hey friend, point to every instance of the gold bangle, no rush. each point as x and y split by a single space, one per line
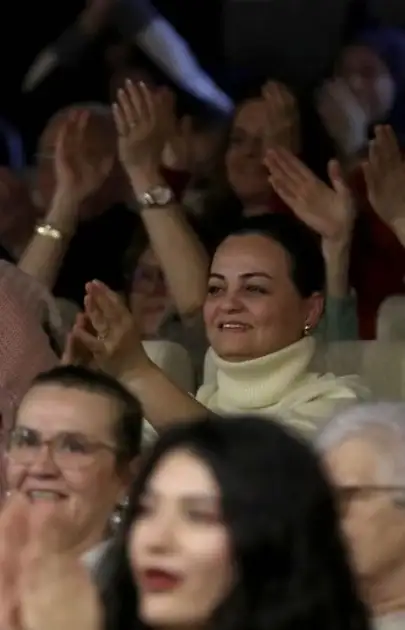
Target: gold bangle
46 229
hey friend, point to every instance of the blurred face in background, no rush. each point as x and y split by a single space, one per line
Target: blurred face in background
369 79
372 521
244 156
99 141
253 307
149 295
180 548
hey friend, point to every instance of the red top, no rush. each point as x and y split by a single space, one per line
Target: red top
377 268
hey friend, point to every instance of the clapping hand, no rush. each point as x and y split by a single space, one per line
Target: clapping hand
108 333
80 170
42 585
384 173
283 125
140 127
328 210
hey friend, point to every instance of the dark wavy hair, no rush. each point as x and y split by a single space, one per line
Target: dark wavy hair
280 513
307 264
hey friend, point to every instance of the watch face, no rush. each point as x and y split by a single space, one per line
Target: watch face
161 195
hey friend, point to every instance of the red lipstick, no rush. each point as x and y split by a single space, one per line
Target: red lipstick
157 580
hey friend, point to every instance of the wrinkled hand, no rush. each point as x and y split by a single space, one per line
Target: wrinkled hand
343 117
329 211
42 586
116 345
384 173
282 128
80 171
140 125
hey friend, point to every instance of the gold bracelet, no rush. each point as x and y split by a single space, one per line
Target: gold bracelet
46 229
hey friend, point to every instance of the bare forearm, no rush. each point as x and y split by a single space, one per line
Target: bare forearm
162 401
337 261
181 254
43 256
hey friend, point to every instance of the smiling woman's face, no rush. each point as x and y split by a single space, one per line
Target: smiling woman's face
180 549
253 307
83 495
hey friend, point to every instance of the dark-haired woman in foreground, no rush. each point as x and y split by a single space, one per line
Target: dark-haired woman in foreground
231 525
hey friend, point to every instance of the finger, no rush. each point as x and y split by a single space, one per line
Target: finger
91 343
95 315
393 150
68 352
135 97
109 302
127 108
336 176
149 102
120 120
376 162
292 167
286 194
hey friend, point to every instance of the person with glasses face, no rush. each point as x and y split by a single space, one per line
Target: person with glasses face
364 451
74 448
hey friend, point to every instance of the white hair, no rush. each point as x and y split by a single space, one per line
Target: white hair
381 424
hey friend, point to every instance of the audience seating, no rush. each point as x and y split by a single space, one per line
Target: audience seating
391 319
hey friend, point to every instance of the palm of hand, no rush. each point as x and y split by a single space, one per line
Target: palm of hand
388 196
58 592
82 177
327 211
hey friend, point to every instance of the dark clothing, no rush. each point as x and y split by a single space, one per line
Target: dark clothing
96 252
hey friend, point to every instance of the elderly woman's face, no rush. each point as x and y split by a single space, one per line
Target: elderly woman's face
253 307
369 79
179 546
74 470
373 524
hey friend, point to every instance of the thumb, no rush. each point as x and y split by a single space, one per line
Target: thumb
336 177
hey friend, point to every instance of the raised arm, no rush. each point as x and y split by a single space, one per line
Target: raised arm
384 173
78 175
142 126
329 211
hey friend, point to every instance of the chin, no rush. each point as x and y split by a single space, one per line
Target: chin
157 611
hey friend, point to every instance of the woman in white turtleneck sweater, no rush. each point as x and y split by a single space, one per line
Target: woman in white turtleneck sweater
264 300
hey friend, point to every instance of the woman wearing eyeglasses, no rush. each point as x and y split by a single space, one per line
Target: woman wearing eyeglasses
73 449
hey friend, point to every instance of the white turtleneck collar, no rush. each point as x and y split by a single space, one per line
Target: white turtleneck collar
395 621
264 381
280 384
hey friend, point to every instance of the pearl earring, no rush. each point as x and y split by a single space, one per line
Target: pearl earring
307 330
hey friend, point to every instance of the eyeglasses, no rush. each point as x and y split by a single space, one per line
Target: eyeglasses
68 450
346 494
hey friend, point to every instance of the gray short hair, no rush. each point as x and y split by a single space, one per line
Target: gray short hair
383 425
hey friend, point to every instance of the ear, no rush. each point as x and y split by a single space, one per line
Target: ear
315 307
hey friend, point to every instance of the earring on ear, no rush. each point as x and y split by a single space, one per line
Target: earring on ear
307 330
117 516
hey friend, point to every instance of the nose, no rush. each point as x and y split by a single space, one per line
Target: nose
231 303
161 534
42 464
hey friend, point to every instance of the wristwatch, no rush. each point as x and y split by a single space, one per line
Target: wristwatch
156 197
